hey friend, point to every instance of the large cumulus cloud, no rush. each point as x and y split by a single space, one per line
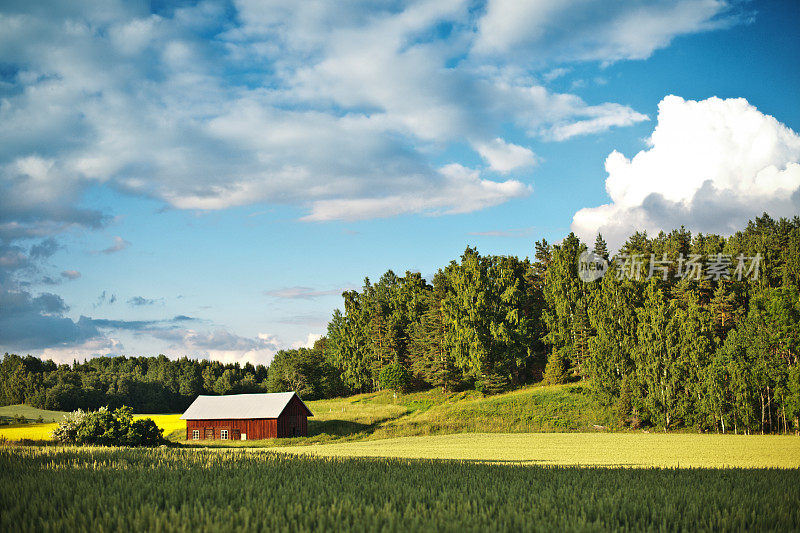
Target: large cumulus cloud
711 165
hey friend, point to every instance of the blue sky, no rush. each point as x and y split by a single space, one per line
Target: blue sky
204 179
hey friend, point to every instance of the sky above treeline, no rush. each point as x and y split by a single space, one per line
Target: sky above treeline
206 178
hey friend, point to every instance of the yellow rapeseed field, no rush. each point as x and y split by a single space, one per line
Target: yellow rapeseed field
598 449
27 431
168 423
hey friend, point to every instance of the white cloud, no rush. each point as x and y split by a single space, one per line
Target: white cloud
458 190
219 345
555 73
97 347
119 245
711 166
589 30
602 118
309 342
505 157
302 293
309 104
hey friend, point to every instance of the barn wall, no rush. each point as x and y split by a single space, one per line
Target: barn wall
293 421
262 428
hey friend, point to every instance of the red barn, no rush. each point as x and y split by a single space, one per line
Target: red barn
247 417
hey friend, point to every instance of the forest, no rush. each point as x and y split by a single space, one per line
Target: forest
682 331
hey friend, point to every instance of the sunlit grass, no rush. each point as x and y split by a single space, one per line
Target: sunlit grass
606 449
168 489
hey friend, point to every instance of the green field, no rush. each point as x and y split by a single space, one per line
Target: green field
8 412
112 489
591 449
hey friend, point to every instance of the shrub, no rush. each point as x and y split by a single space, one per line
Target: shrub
108 428
395 377
144 432
67 429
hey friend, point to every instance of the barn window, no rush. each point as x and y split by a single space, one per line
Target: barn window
223 434
195 434
244 436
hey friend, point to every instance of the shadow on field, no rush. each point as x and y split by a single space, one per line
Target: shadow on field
342 428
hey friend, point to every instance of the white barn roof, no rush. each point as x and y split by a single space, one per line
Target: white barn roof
237 406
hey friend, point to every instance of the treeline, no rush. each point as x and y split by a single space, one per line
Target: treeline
147 384
665 344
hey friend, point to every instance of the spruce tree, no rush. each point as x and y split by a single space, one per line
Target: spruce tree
600 247
555 372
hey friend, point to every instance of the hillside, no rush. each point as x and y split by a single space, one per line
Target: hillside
9 412
383 415
530 409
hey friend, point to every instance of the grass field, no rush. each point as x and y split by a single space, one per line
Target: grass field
107 489
8 412
592 449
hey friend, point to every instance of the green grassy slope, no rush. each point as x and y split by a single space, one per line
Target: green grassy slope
8 412
530 409
382 415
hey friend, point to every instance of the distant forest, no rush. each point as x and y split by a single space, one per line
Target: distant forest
683 331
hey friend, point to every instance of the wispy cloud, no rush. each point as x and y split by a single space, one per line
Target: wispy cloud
515 233
139 325
139 301
311 320
70 274
302 293
119 245
105 298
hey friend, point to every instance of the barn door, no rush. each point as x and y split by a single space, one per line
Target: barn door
209 434
237 434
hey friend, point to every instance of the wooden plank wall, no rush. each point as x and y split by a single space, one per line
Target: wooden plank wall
293 421
264 428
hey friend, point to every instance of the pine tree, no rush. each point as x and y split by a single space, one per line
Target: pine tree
564 294
555 372
600 247
430 360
